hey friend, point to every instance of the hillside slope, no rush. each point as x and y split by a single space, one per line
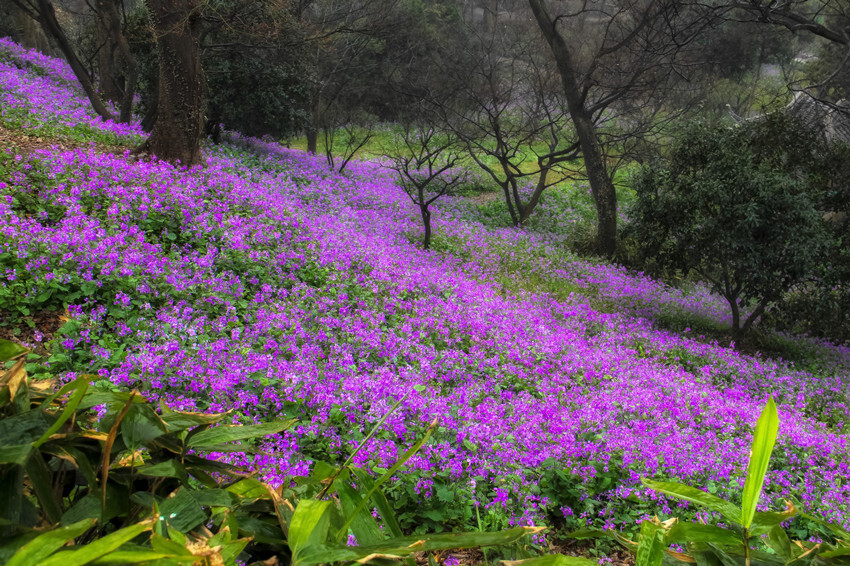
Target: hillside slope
267 285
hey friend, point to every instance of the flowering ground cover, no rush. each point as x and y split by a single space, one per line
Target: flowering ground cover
265 284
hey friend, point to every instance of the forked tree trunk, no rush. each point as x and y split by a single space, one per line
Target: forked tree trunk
604 195
177 132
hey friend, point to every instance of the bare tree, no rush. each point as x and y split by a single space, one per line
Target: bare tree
611 55
429 165
506 111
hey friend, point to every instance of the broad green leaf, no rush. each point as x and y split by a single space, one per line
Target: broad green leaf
10 350
552 560
695 532
650 550
764 437
70 409
309 526
380 500
89 507
390 473
226 433
364 526
182 512
46 544
167 546
140 426
42 483
835 553
779 542
94 398
166 469
23 428
17 454
763 521
694 495
230 550
249 488
319 554
100 547
135 554
178 421
215 498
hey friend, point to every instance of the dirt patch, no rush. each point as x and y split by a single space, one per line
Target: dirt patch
22 143
33 331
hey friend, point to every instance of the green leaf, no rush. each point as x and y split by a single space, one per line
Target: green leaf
778 541
93 398
763 521
249 488
694 495
100 547
319 554
399 463
17 454
46 544
215 498
380 500
140 426
166 469
364 526
650 550
210 439
89 507
308 527
169 547
182 512
135 554
10 350
42 483
177 421
695 532
23 428
230 550
764 437
835 553
552 560
70 409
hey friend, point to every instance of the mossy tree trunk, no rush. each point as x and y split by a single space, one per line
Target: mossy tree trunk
180 120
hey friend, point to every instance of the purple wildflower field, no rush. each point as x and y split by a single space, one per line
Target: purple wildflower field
267 285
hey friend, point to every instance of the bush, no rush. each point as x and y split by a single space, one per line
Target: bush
739 207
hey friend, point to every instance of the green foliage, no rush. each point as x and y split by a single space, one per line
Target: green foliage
738 206
748 536
136 486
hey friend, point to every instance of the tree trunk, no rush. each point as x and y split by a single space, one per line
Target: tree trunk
47 18
107 87
604 195
32 36
313 126
426 222
110 22
177 132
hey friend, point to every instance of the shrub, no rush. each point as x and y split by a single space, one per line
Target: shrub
737 206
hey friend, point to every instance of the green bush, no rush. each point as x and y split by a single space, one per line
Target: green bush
739 207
